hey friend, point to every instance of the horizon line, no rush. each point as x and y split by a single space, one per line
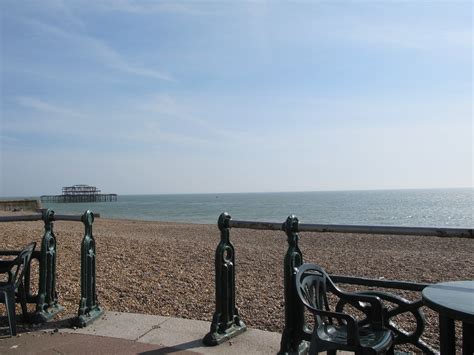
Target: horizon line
267 192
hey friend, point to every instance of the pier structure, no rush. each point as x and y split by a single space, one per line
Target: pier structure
80 193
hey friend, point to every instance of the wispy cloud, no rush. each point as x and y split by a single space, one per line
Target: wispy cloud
4 139
147 7
370 28
46 107
163 104
167 105
410 36
32 115
100 50
120 127
151 132
66 14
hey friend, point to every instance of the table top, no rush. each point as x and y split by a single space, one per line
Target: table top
454 299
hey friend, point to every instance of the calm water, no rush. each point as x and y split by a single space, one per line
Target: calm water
440 207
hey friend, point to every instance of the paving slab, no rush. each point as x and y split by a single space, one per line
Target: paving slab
177 333
43 343
129 333
187 334
130 326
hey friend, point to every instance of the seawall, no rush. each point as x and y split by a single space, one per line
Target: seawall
17 205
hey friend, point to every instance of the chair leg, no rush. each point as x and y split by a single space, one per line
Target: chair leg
314 346
313 349
10 305
391 351
24 309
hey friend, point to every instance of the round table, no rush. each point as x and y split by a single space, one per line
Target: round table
453 300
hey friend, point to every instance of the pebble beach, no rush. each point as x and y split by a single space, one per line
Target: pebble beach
167 269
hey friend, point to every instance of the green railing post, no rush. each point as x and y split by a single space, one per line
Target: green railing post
47 300
293 333
226 322
89 309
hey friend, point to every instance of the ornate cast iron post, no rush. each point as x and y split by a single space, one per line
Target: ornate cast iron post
226 322
293 333
89 309
47 300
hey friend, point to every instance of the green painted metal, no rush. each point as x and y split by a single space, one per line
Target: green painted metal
226 322
47 304
292 339
89 309
296 333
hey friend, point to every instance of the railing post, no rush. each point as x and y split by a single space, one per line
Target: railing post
293 333
89 309
226 322
47 300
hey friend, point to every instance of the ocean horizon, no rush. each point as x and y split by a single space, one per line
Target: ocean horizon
449 207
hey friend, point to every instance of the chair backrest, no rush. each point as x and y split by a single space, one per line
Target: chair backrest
312 283
22 262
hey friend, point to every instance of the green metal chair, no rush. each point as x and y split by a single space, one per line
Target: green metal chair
313 285
15 270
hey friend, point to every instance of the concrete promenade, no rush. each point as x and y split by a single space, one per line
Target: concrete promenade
127 333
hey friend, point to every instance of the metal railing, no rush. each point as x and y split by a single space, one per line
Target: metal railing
226 321
46 299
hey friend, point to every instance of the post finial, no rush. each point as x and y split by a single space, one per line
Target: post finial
48 215
223 221
291 224
88 218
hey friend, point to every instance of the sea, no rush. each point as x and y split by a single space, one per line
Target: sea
420 207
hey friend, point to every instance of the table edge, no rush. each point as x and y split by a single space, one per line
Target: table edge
446 311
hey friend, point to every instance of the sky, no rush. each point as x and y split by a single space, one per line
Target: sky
149 97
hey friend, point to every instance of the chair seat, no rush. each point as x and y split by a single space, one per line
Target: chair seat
369 337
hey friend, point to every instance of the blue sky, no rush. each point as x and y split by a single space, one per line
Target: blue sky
179 97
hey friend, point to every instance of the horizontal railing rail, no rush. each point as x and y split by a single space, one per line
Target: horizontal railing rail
395 230
362 229
227 322
22 218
